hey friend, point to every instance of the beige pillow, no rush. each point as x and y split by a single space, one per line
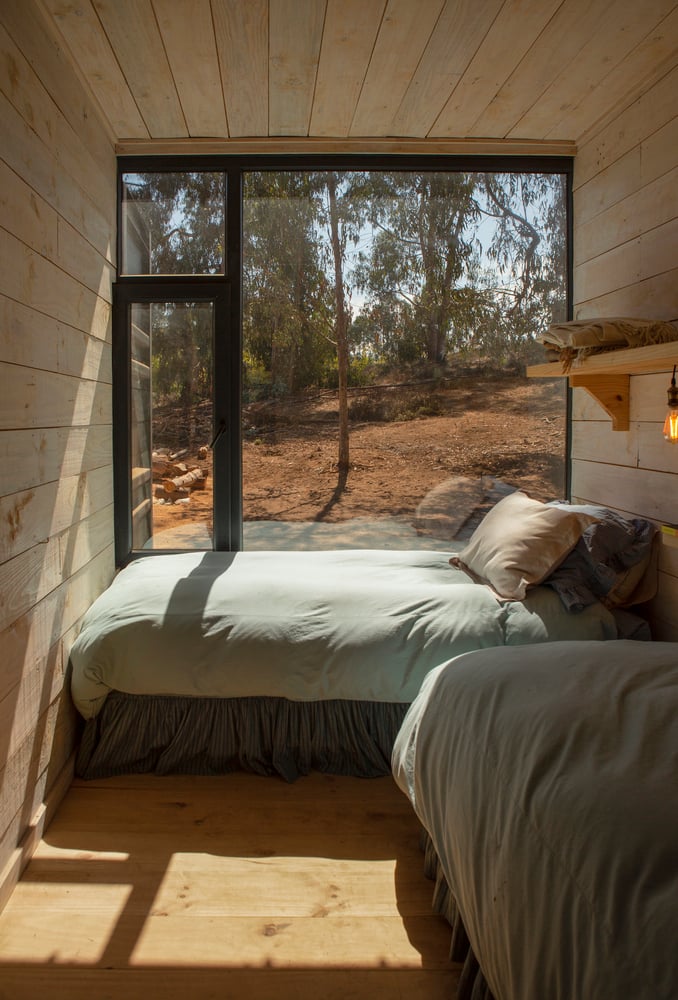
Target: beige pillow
519 543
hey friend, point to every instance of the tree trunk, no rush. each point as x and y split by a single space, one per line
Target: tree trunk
342 325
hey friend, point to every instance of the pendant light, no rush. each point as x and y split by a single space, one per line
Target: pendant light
671 422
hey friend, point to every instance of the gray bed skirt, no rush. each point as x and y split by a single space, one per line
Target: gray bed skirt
173 735
472 984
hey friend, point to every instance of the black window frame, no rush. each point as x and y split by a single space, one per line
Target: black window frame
225 290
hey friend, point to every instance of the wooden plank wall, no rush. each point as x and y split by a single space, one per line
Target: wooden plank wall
626 264
57 241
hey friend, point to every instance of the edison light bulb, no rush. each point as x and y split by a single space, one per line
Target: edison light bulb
671 425
671 422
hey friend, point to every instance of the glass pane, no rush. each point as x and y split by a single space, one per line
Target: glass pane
388 320
173 223
140 426
171 425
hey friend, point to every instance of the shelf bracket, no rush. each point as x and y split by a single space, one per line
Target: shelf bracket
611 391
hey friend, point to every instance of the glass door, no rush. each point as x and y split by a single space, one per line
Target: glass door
171 427
176 357
175 445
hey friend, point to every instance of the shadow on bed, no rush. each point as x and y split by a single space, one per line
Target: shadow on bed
191 592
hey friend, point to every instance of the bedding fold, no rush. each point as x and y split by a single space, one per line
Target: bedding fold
355 625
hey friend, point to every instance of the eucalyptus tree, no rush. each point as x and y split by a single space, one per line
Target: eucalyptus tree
346 208
416 275
182 217
463 261
299 227
287 296
526 258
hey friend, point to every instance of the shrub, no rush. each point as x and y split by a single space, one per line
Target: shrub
420 406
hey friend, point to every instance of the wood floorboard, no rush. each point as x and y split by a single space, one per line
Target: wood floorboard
232 887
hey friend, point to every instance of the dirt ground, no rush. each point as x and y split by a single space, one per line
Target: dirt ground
405 441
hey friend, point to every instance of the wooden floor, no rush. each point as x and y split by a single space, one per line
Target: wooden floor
231 887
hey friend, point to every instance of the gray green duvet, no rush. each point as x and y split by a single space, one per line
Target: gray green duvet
364 625
546 781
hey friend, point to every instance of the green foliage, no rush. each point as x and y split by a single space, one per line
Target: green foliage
422 250
175 225
287 302
431 265
181 353
389 406
464 263
421 406
329 377
179 219
361 371
371 409
290 321
256 380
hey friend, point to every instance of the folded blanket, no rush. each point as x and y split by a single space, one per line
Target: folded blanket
579 338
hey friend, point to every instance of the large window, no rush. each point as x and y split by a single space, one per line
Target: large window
333 355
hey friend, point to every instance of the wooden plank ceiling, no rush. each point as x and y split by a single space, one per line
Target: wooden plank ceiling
541 71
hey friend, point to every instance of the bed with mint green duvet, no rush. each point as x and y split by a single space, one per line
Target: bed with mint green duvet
283 662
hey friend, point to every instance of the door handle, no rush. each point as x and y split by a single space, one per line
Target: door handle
221 429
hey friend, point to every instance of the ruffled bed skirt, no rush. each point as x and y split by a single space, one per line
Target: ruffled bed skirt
472 984
172 735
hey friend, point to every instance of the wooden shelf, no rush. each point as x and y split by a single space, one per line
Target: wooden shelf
607 376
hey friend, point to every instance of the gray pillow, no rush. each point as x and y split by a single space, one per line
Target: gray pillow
613 561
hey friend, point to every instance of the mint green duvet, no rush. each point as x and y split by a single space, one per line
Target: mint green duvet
364 625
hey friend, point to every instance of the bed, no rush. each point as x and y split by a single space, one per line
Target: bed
283 662
545 781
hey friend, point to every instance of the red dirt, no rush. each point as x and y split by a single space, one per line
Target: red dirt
508 429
